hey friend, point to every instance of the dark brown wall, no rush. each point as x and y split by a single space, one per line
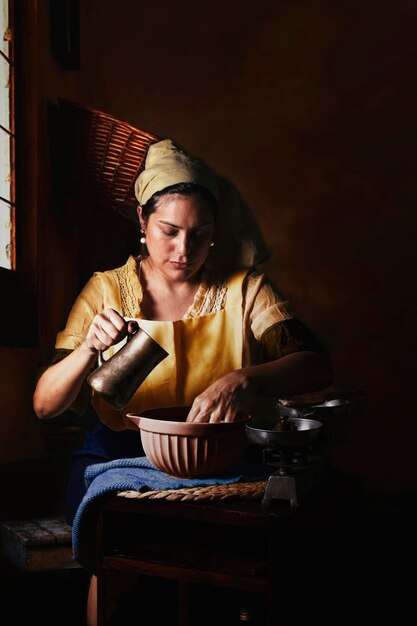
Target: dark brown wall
309 107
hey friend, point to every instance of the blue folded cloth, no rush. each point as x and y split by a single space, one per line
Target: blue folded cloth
137 474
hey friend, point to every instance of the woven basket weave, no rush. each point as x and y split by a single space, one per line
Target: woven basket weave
104 155
101 158
225 491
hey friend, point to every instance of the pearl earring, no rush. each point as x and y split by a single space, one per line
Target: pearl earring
143 239
212 244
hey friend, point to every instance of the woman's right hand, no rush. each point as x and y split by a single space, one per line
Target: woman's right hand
58 387
107 329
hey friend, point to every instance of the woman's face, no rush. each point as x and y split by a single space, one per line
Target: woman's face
178 235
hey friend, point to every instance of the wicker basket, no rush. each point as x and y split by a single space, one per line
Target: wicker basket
105 155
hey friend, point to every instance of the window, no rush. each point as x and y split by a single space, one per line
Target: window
18 173
7 239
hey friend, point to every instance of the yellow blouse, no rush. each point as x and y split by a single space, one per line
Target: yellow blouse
120 289
269 327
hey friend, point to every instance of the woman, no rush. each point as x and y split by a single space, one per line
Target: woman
230 336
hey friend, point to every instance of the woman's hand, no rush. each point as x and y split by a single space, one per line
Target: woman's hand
107 329
60 384
299 372
222 400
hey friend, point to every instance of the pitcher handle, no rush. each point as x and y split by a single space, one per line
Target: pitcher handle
101 359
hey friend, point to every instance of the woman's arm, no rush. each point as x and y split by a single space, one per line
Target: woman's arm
60 384
296 373
293 374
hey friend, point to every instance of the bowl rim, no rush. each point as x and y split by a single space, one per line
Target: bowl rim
149 421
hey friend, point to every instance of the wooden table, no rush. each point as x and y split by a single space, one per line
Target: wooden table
196 563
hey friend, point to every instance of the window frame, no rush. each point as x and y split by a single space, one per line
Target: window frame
19 311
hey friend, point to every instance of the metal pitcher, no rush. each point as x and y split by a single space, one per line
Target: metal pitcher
117 378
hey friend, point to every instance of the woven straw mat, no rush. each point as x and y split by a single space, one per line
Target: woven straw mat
227 491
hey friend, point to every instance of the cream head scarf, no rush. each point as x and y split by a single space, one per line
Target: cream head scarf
238 239
167 165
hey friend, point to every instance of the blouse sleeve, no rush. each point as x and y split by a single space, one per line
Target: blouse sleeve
99 293
272 321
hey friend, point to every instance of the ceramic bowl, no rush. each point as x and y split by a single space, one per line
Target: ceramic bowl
188 449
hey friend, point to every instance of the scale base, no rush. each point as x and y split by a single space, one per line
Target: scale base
293 487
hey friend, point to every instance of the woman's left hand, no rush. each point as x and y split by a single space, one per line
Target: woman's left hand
222 400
